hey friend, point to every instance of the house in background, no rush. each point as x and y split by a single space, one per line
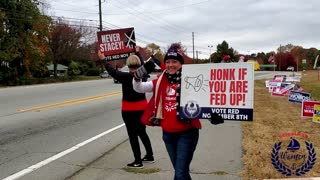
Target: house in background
61 69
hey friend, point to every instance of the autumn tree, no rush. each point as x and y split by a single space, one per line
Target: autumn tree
23 33
86 57
152 47
298 53
311 55
284 60
285 48
63 42
262 58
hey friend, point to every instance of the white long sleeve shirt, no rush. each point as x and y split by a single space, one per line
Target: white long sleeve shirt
142 87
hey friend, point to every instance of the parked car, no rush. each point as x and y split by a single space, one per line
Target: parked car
105 74
290 68
123 69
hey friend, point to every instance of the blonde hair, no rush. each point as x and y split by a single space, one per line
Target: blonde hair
133 60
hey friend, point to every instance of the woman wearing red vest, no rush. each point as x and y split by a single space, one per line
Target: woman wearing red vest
179 135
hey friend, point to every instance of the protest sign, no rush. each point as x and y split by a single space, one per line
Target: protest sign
307 108
299 97
316 114
224 88
274 83
116 44
283 90
293 79
279 77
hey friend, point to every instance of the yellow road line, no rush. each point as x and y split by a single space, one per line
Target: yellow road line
70 102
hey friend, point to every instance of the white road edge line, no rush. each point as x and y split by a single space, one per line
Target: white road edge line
59 155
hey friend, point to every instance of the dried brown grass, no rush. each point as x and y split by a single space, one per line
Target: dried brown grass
274 116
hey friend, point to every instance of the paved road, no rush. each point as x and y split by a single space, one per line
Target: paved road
29 137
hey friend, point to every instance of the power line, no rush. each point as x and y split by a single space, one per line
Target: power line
154 19
143 21
138 13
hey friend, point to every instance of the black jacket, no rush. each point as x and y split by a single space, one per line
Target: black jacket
125 78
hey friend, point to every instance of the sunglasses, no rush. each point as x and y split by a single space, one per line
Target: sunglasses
134 66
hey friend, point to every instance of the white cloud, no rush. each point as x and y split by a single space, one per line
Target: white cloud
247 25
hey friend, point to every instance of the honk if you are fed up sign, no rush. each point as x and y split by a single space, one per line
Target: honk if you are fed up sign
223 88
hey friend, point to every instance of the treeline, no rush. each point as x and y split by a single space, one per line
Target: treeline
283 57
30 40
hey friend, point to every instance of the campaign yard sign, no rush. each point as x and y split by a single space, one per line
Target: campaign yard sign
293 79
299 97
316 114
279 77
116 44
283 90
307 108
223 88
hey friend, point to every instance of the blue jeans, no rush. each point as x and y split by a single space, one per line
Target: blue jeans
180 147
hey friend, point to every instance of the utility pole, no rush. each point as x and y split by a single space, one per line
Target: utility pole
297 64
100 28
197 56
280 58
100 16
193 44
210 46
274 63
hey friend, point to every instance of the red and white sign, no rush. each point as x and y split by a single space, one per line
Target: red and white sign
116 44
307 108
225 88
279 77
283 90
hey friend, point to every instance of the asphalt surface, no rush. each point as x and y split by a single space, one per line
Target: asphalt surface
218 156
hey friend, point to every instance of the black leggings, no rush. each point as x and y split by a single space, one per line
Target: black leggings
135 128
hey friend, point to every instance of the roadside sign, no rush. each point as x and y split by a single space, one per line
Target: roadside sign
283 90
225 89
316 114
307 108
299 97
304 63
116 44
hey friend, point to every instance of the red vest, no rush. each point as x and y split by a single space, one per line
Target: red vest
170 123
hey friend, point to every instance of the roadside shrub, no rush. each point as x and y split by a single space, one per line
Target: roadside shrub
93 72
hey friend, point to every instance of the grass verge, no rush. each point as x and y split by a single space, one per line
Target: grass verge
274 116
142 171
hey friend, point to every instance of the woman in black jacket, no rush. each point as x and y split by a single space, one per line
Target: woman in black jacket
133 106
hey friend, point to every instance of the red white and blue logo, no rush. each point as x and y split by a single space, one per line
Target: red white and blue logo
191 109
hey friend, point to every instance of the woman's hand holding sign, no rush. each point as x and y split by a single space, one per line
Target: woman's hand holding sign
101 55
216 119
